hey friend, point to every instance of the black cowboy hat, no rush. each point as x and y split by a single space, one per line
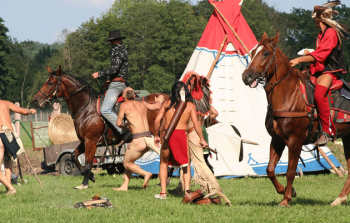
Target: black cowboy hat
114 35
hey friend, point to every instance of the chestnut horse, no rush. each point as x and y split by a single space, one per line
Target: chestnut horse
81 99
286 119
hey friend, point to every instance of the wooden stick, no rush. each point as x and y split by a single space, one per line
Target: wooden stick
32 168
250 142
329 161
19 169
217 57
222 16
214 151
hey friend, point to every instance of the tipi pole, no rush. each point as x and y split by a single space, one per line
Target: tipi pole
222 16
216 58
329 162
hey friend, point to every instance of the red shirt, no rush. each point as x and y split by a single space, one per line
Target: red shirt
324 47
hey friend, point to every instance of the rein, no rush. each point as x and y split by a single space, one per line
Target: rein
280 114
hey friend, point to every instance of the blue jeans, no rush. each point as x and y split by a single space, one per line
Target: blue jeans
114 89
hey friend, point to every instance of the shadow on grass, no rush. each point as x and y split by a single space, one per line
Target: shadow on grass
293 202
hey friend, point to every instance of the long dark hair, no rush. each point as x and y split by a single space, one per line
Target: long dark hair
175 94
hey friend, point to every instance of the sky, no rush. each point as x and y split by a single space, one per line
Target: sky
44 20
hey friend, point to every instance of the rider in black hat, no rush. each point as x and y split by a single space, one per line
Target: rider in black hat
117 75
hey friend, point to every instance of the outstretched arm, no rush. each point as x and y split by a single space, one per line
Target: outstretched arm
303 59
197 126
20 110
159 100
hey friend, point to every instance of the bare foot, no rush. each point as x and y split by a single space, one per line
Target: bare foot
339 200
146 179
81 187
11 192
120 189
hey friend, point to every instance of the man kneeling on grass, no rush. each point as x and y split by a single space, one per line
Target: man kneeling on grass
136 114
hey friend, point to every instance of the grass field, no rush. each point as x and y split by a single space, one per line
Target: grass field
254 200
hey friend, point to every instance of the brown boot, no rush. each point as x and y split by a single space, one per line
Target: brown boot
323 139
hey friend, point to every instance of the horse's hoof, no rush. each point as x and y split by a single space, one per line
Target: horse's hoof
92 177
339 200
283 205
81 187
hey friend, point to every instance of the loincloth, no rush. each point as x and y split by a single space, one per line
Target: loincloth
178 148
142 134
149 140
10 144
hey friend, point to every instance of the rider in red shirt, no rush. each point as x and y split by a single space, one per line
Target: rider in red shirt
327 62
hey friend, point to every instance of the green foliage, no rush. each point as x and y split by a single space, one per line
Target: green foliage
4 53
259 16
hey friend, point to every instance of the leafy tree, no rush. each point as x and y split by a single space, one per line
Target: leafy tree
204 9
5 78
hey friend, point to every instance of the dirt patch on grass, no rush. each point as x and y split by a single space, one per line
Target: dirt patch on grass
35 158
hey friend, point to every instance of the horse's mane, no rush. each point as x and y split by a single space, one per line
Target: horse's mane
303 76
83 81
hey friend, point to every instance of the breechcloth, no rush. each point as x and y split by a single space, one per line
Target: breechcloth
149 140
142 134
10 144
178 148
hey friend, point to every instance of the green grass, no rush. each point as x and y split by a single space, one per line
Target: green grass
254 200
27 142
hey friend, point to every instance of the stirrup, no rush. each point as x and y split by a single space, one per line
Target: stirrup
323 139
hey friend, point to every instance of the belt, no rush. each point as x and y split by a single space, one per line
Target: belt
118 79
6 131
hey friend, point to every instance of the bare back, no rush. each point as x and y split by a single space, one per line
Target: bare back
136 114
186 115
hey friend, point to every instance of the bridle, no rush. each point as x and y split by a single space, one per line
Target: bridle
265 73
53 93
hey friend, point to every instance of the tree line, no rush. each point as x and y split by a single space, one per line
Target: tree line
161 37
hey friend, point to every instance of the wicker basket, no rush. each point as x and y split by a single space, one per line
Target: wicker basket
61 129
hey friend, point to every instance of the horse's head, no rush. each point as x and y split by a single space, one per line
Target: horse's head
260 68
50 90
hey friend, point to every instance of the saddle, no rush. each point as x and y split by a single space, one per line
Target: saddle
340 106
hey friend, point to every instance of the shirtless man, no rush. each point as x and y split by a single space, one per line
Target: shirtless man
136 114
6 130
178 140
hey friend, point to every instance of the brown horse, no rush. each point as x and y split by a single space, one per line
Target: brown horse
81 100
286 120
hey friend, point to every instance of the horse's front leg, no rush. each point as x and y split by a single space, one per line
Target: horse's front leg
294 144
276 150
90 150
343 196
79 150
